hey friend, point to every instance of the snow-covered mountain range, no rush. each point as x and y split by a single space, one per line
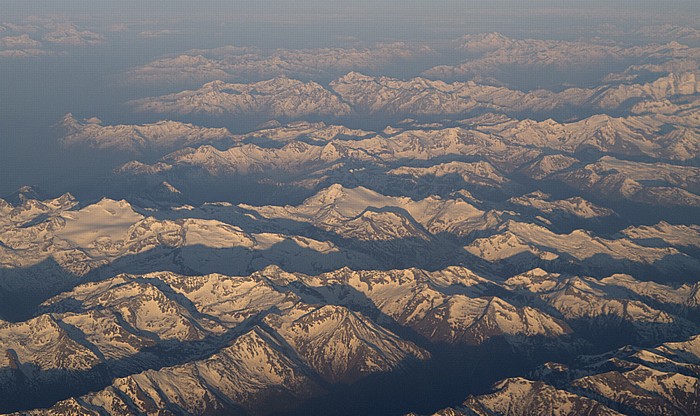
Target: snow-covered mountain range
362 94
476 226
631 380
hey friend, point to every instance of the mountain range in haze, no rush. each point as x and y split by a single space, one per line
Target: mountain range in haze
488 224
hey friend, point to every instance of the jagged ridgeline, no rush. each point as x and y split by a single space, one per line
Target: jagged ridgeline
366 224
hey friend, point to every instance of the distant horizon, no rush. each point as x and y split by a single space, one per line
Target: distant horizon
384 208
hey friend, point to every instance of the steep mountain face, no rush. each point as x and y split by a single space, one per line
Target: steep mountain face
310 165
664 87
279 97
252 372
356 93
678 235
50 246
28 339
518 242
535 398
420 96
547 165
486 154
341 210
581 299
659 380
646 135
158 138
519 396
161 196
573 207
232 343
650 183
449 306
382 242
195 344
476 173
127 323
341 345
304 130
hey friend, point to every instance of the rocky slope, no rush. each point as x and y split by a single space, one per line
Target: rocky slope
640 381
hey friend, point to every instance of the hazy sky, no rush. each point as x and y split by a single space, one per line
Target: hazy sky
35 92
292 10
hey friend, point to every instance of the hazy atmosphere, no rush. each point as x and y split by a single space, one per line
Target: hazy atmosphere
89 77
349 207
